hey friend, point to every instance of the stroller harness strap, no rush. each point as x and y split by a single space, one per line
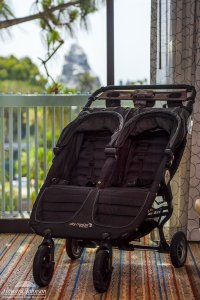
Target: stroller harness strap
91 163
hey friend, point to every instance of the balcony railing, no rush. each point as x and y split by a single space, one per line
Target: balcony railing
29 128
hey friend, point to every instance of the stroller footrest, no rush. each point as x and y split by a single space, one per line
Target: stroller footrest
58 203
117 207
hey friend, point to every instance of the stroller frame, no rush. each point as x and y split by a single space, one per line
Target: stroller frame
143 97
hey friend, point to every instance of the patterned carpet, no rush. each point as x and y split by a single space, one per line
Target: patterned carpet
136 275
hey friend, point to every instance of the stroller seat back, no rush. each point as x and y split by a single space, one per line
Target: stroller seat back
77 166
144 156
91 157
140 164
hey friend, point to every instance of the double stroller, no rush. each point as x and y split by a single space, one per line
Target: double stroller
109 183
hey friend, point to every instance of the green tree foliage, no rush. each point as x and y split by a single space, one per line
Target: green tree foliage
20 75
20 86
12 68
59 88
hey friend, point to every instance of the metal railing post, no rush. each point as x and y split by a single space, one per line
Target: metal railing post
110 49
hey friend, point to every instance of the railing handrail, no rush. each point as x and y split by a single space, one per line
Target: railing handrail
33 100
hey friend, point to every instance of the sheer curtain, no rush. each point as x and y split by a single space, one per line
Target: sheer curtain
175 58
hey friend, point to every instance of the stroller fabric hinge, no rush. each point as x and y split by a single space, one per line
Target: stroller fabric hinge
170 156
110 151
57 150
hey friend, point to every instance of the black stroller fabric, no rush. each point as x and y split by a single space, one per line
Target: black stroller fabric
141 145
90 188
91 157
74 173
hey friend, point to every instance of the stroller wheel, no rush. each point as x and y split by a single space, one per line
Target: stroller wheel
178 249
102 270
73 249
43 266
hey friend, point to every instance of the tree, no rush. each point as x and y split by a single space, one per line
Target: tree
20 75
56 17
12 68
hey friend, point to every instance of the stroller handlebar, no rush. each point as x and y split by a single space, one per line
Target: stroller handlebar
178 92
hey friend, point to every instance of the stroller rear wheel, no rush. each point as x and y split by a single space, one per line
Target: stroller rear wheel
102 270
178 249
73 249
43 266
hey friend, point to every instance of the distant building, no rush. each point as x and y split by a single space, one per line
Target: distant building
76 69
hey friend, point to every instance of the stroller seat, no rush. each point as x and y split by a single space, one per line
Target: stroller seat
63 198
138 161
140 169
70 194
145 153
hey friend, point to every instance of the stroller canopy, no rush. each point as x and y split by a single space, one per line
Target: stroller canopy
97 121
172 122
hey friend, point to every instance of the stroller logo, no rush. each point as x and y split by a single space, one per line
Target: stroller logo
23 289
81 225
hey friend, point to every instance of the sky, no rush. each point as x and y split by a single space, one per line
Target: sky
132 41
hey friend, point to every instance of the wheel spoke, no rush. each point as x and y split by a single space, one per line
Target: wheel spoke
73 248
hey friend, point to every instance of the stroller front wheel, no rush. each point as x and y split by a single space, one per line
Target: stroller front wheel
178 249
102 270
43 266
73 249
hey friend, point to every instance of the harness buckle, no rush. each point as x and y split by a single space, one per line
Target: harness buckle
110 151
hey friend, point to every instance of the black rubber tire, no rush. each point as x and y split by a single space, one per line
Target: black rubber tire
102 271
43 266
178 249
73 249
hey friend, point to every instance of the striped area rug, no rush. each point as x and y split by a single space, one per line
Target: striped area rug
136 275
